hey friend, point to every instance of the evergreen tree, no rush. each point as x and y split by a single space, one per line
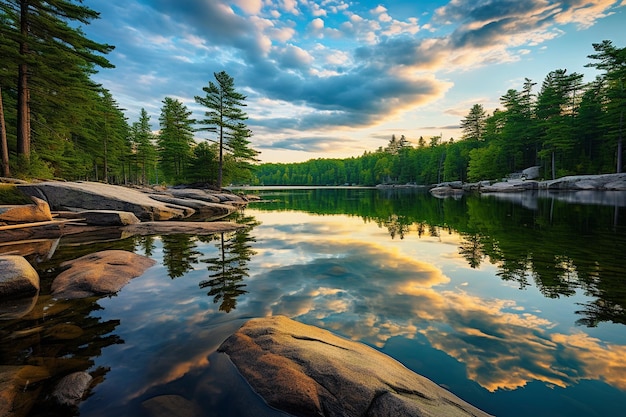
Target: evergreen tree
473 124
612 61
175 140
225 117
143 149
45 45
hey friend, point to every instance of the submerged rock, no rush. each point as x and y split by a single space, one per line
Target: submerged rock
72 388
100 273
169 406
17 394
307 371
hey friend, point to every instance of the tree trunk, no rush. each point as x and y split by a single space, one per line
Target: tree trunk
553 166
23 95
221 160
4 147
620 145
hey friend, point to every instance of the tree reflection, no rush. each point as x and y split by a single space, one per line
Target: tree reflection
229 268
179 254
471 249
555 243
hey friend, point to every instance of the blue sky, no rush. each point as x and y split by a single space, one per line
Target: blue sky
335 78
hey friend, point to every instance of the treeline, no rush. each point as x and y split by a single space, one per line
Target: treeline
56 122
566 127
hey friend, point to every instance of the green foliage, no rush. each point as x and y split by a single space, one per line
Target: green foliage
225 117
10 194
175 141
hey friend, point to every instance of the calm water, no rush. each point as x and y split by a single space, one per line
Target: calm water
514 303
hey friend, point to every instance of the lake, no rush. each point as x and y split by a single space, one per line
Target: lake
515 303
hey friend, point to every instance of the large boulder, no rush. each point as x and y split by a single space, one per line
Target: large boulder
307 371
26 213
78 196
17 277
100 273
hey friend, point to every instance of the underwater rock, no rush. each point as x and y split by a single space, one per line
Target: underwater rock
100 273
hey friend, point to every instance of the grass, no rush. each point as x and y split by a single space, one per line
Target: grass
11 195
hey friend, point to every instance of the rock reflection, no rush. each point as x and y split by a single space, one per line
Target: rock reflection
55 339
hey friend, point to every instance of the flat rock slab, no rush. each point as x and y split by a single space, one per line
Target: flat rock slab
97 196
178 227
100 273
307 371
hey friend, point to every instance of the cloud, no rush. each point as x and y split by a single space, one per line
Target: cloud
343 65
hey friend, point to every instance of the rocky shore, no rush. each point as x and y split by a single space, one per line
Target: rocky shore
605 182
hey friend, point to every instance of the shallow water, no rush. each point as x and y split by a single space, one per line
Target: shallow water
515 306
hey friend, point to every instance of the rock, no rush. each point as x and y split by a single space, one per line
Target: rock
72 388
169 406
17 277
27 213
194 194
180 227
207 210
609 182
446 191
531 173
307 371
510 186
100 273
16 394
108 217
96 196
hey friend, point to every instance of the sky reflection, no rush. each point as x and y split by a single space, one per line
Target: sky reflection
373 289
349 276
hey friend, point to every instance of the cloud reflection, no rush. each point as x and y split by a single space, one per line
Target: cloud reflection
372 292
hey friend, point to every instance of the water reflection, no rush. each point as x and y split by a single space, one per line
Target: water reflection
534 239
229 268
480 294
379 293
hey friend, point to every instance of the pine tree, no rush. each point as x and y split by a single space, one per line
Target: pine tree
46 41
473 124
612 61
175 140
225 117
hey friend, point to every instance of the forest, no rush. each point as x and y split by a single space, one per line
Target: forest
563 126
56 122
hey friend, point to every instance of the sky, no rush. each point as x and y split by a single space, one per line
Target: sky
336 78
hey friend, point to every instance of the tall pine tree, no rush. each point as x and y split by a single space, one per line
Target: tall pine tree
225 117
47 44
